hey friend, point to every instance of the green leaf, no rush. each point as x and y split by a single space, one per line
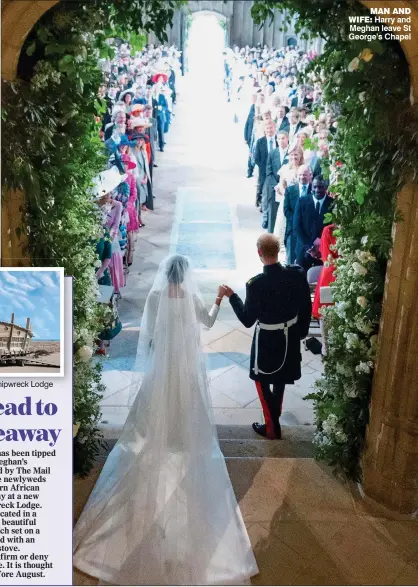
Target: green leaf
31 49
360 193
52 49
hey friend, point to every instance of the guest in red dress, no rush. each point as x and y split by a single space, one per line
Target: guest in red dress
327 275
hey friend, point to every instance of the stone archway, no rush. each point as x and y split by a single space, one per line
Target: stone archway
192 20
390 461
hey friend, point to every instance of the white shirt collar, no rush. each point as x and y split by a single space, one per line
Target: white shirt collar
321 201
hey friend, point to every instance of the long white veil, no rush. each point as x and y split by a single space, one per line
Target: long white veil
163 511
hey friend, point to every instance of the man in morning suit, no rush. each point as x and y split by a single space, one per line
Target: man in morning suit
291 196
279 301
275 160
262 149
282 120
308 222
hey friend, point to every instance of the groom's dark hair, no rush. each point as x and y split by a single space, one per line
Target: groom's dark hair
176 269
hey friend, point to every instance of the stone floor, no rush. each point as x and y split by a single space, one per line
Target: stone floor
204 207
309 528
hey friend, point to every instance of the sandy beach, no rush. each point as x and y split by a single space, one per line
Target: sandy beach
39 351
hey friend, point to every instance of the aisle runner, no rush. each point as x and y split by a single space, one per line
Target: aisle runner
203 230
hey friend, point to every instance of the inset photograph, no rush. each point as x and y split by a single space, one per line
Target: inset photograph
31 322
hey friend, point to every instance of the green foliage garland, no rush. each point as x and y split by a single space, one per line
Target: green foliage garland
51 151
375 152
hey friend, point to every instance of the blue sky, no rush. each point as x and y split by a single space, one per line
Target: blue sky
34 295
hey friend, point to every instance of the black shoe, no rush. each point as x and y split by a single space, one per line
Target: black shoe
249 175
262 431
155 165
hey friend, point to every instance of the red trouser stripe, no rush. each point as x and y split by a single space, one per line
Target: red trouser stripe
266 411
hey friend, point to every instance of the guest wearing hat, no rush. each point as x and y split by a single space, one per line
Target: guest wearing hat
142 172
133 223
126 97
135 111
159 105
139 125
103 186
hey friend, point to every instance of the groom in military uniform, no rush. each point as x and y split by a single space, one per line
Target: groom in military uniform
279 302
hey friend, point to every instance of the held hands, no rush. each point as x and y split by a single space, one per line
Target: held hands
224 290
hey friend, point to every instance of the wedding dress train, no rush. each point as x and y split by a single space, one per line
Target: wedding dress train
163 511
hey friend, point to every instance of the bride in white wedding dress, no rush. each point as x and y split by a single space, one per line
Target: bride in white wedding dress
163 511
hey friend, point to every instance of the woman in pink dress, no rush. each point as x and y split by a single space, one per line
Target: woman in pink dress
133 224
116 264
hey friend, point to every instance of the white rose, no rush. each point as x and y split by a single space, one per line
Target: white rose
76 428
364 240
373 340
364 367
352 339
354 64
359 269
361 300
362 96
351 392
84 353
340 308
341 436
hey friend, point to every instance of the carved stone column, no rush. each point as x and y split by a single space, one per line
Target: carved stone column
390 460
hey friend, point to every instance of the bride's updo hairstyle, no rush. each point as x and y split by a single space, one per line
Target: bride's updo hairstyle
176 269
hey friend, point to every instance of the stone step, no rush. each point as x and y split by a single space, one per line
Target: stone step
296 433
278 449
242 441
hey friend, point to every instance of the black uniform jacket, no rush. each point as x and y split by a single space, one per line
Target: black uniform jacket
275 296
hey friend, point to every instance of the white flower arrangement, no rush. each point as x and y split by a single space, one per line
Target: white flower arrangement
363 326
365 256
353 65
362 301
352 339
364 367
340 308
340 436
359 269
84 353
351 392
343 369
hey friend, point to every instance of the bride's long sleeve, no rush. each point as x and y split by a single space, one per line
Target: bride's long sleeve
206 318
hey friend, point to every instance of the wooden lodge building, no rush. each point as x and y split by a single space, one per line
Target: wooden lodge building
14 339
